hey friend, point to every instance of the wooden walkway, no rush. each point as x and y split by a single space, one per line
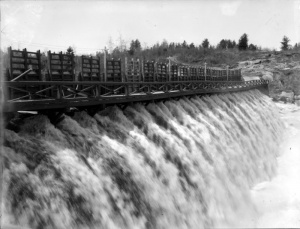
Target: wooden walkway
55 95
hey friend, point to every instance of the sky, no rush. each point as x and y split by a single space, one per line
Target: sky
89 26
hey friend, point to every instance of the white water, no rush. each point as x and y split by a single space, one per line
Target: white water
278 200
178 164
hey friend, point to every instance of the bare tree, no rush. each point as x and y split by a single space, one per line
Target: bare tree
122 44
110 44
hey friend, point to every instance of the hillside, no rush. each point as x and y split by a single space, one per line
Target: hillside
282 69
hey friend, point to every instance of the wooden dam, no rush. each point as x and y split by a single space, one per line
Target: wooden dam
107 82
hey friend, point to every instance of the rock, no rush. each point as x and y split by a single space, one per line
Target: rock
267 76
256 62
297 97
248 78
286 96
243 64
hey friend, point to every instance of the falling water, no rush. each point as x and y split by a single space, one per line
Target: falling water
178 164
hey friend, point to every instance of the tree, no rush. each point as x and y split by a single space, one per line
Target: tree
296 46
122 44
172 45
243 42
252 47
230 44
226 44
135 45
285 43
110 44
132 48
184 44
70 51
233 44
205 43
164 45
222 44
192 46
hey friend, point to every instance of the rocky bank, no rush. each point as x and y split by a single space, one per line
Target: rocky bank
283 71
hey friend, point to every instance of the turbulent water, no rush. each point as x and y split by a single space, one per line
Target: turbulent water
179 164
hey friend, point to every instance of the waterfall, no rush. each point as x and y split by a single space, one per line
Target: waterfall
175 164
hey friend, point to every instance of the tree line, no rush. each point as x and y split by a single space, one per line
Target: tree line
226 52
165 48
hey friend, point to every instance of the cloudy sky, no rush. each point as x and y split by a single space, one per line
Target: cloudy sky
89 25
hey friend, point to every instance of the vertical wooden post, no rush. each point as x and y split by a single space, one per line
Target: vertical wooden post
49 64
142 75
38 56
126 68
155 71
2 130
59 94
132 64
169 70
73 67
99 69
227 71
10 63
138 69
61 58
1 152
205 71
104 61
25 61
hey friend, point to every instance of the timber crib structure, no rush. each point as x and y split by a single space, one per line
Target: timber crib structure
26 88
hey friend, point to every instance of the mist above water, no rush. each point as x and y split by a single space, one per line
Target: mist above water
179 164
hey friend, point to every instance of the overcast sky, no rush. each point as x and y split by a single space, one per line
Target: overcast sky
88 25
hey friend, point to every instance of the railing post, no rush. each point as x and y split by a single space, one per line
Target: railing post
169 70
25 56
99 69
61 58
126 69
49 56
10 63
138 69
97 90
59 92
104 61
227 71
205 71
142 72
126 90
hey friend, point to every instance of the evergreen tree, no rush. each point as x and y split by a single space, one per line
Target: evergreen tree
233 44
192 46
205 43
131 50
137 45
230 44
222 44
285 43
252 47
184 44
70 51
243 42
